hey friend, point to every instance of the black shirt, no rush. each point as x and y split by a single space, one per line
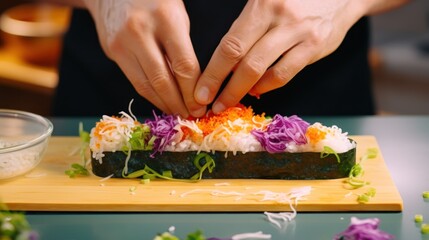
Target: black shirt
92 85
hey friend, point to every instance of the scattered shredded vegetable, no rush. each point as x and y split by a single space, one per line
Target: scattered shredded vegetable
365 197
424 229
198 235
356 173
363 229
418 218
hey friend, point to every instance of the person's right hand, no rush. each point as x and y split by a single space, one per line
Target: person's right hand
149 40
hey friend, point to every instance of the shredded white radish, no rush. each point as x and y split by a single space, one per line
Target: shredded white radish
112 134
291 197
255 235
106 178
226 193
171 229
281 217
35 175
222 184
212 192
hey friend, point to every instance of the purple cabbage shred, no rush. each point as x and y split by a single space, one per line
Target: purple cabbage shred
363 229
162 127
281 132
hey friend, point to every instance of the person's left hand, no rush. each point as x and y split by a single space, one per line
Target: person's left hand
295 33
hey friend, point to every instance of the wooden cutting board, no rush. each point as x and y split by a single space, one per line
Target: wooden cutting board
47 188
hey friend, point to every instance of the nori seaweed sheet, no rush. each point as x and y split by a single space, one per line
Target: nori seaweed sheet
251 165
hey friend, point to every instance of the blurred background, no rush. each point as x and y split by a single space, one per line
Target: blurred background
30 43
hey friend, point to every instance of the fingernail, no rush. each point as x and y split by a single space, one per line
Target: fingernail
218 107
203 95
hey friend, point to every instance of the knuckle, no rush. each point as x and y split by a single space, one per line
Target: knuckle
230 99
254 67
144 89
318 33
159 82
212 81
136 24
231 48
166 12
281 75
184 67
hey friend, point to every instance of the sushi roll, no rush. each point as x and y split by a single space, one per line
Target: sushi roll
236 143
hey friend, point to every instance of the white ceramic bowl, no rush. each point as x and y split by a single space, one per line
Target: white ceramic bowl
24 137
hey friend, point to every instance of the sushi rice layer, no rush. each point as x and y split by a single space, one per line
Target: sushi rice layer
237 129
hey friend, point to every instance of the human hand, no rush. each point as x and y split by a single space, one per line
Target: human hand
149 40
284 34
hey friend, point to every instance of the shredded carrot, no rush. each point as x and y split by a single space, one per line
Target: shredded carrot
212 121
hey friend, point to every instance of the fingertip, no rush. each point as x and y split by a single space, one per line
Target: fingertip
183 113
202 95
199 112
218 107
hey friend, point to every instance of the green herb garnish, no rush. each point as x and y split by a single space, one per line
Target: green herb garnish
418 218
365 197
424 229
328 151
209 164
149 173
166 236
14 225
76 168
140 139
197 235
355 178
425 194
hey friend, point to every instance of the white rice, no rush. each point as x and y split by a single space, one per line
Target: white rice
18 162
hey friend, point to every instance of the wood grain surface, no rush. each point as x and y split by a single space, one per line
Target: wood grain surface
47 188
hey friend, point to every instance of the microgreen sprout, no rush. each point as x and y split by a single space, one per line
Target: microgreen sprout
426 195
76 168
